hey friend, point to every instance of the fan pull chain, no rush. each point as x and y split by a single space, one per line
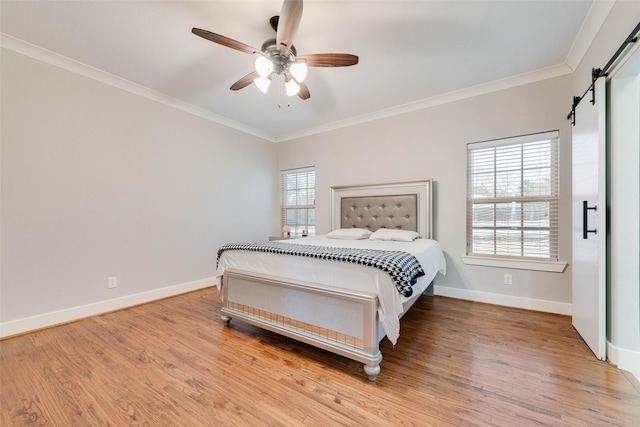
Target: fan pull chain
279 96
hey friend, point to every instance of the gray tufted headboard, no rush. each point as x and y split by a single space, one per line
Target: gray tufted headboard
374 212
399 205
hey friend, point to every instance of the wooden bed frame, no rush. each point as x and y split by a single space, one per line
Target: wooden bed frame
341 321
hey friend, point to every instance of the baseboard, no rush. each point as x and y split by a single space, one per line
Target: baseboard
505 300
46 320
627 360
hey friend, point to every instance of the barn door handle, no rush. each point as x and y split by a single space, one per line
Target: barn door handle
585 228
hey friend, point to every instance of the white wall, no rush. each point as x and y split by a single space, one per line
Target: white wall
624 230
99 182
623 330
431 143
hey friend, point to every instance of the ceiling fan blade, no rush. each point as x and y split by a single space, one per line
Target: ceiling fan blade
329 59
288 24
304 91
224 41
245 81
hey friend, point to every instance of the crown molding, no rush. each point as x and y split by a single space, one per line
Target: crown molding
486 88
598 13
32 51
596 17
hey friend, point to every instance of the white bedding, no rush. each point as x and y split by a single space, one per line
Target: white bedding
344 275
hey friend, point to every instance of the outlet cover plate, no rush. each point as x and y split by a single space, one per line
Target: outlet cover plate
112 282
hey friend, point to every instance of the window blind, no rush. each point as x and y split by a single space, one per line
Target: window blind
298 198
512 197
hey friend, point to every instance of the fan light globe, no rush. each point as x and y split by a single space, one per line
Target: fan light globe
298 71
292 87
264 66
262 83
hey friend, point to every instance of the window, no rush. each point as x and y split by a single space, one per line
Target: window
512 197
298 189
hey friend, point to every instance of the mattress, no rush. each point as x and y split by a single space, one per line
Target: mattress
345 275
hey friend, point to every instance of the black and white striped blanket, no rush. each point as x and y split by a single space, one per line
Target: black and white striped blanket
403 267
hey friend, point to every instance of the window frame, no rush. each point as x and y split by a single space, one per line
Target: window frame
520 200
296 230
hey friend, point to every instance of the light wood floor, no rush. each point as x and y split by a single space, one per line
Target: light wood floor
173 363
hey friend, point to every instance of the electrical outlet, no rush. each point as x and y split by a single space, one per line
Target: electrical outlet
508 279
112 282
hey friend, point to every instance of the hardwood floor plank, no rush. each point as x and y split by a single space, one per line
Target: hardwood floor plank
173 363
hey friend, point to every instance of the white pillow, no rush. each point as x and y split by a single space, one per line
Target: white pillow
349 234
392 234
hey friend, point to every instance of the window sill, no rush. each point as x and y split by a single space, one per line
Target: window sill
519 264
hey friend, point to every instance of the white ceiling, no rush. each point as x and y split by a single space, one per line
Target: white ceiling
412 53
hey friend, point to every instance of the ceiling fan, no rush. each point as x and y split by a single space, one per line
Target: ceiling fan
278 56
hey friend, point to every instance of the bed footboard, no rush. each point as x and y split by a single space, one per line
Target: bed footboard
337 320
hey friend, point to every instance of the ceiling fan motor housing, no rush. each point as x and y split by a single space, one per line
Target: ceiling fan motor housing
280 60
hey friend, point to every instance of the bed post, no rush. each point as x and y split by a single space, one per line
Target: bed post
372 371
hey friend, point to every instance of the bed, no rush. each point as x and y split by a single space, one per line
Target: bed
312 290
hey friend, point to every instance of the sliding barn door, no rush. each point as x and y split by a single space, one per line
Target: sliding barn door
589 220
